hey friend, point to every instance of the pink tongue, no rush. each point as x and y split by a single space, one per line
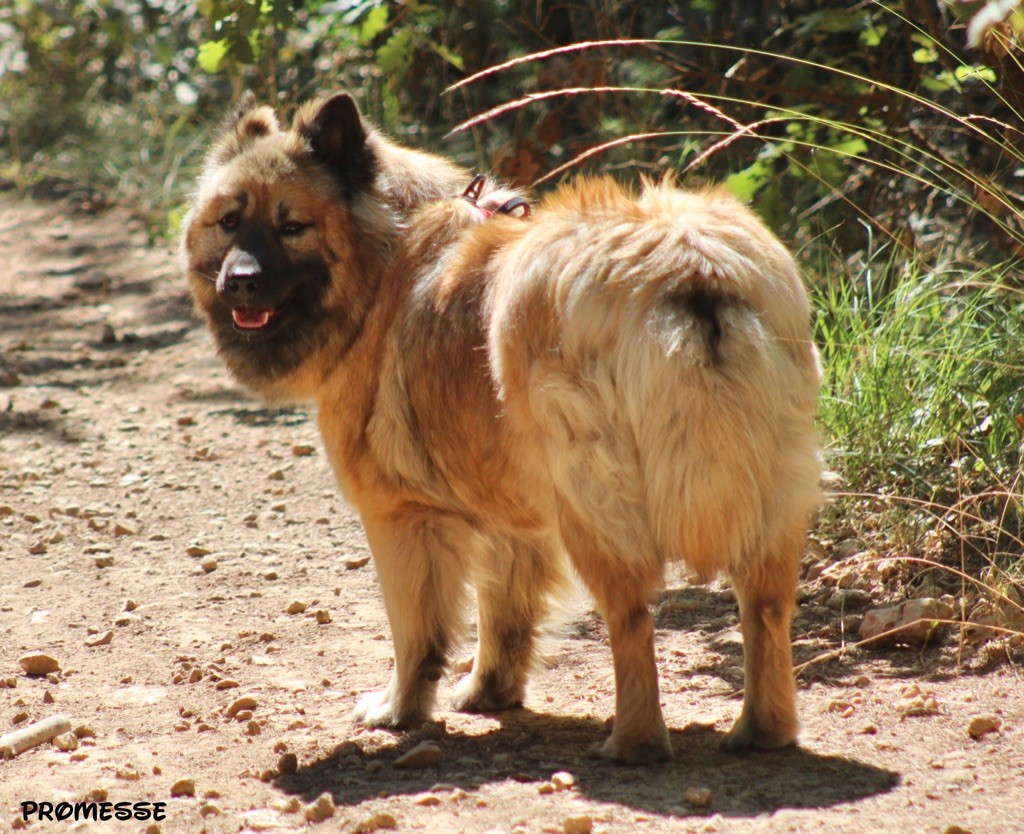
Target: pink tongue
251 318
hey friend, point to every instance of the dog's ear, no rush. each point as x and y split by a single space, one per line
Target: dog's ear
339 140
245 123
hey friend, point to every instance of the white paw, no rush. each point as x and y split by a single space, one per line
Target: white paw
476 693
375 709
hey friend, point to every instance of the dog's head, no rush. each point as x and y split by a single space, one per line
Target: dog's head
278 255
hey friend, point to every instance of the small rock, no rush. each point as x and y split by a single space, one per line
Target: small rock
983 725
226 683
124 530
253 729
104 561
424 754
302 450
276 475
208 809
320 810
184 787
37 548
20 717
33 583
243 702
48 697
195 551
582 824
356 562
38 664
103 640
195 675
209 565
288 763
296 607
563 780
918 619
914 622
697 797
431 730
375 823
68 742
130 605
955 829
426 799
322 617
84 731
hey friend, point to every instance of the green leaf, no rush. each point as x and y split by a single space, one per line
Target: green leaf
839 21
975 72
211 54
850 147
745 184
374 24
394 56
872 36
447 54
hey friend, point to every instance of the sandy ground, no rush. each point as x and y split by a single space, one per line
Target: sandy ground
151 508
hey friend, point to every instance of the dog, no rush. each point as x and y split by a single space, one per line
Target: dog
614 382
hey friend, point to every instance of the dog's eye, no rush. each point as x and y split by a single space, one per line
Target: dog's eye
230 221
294 228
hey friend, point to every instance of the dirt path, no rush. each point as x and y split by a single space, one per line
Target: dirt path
149 506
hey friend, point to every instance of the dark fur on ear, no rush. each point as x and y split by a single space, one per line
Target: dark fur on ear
243 124
339 140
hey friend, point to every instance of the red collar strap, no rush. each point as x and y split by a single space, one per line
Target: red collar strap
515 204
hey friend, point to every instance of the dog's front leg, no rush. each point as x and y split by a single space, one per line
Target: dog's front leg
421 563
513 590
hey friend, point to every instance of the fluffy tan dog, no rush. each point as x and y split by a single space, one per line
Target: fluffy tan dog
623 381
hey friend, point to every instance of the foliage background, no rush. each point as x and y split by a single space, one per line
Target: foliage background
877 143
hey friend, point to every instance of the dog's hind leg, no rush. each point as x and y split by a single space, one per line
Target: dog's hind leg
766 591
422 563
513 594
622 589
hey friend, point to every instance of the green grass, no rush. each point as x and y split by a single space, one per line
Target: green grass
145 154
923 405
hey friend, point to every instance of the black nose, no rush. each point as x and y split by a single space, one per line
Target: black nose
242 285
239 280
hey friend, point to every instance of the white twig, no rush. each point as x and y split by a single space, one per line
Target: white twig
32 736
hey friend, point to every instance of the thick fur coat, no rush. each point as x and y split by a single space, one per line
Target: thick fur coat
615 382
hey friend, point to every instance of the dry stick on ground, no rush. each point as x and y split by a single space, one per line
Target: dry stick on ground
33 735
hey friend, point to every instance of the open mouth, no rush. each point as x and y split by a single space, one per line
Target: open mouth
253 319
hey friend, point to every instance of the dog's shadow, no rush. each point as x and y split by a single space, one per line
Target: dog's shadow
529 747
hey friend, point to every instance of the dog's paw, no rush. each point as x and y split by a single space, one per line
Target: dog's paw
377 709
632 752
746 736
480 693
